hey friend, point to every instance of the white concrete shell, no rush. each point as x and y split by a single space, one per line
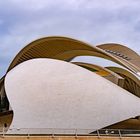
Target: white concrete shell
48 93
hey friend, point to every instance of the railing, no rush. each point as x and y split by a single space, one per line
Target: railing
69 132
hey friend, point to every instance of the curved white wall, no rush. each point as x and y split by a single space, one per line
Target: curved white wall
48 93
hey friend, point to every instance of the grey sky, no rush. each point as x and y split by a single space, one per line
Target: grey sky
93 21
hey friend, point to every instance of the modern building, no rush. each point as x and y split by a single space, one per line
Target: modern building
45 92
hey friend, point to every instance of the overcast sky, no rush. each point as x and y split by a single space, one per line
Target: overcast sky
93 21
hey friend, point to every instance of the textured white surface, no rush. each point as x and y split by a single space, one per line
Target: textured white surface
48 93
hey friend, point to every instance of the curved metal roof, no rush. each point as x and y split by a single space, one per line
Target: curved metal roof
131 82
65 48
122 51
104 72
